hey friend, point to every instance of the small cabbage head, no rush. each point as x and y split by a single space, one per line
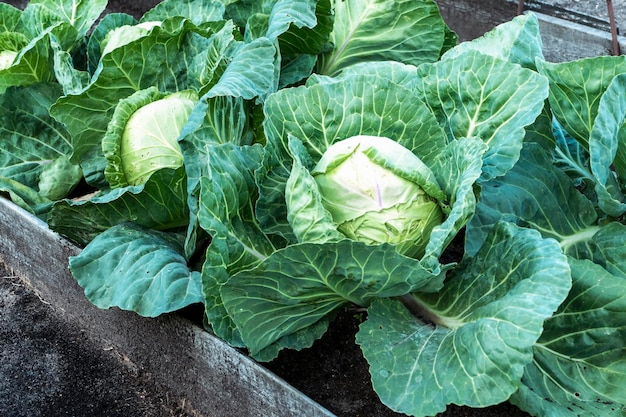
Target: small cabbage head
143 135
6 59
126 34
378 191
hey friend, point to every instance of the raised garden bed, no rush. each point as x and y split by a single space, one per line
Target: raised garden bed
200 374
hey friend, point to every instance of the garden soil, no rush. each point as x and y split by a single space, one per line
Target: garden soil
49 367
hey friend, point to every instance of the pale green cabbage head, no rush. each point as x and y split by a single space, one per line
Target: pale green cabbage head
6 59
150 139
378 191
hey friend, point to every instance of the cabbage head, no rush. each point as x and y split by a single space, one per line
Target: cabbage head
142 136
6 59
378 191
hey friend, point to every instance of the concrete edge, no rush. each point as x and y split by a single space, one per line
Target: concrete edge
566 41
216 379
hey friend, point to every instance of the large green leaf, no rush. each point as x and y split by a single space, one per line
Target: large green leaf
579 367
9 17
408 31
80 14
198 11
330 110
251 71
33 147
607 147
301 284
160 203
483 326
477 95
31 65
576 88
517 41
548 202
227 196
136 269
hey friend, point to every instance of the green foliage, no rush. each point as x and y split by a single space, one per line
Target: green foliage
515 290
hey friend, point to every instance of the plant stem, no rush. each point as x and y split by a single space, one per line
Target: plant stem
419 310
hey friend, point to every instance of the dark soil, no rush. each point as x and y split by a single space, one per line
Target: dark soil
50 368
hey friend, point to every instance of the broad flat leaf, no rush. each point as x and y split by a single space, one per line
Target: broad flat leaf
136 269
198 11
607 147
576 88
330 110
226 212
108 22
517 41
546 201
251 72
9 17
477 95
157 204
31 65
33 145
486 320
298 285
80 14
306 34
407 31
579 366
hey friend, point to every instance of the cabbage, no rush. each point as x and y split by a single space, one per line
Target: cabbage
143 135
6 59
378 191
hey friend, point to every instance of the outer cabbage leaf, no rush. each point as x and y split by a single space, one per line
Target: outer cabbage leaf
158 204
548 202
214 121
476 95
31 65
576 88
517 41
34 147
9 17
109 22
79 14
227 194
484 324
607 148
136 269
579 367
408 31
330 110
198 11
301 284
